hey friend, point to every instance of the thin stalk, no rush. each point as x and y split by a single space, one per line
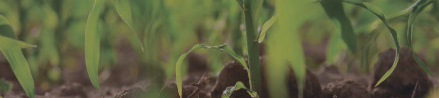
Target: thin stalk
253 51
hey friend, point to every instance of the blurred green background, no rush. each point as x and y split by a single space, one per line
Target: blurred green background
168 28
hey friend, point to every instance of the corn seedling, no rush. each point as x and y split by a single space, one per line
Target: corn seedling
239 85
127 42
416 9
225 48
92 36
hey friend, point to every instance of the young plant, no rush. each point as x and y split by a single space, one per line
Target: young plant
239 85
251 9
224 48
11 49
285 47
416 9
92 36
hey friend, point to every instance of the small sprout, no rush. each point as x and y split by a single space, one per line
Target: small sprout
5 86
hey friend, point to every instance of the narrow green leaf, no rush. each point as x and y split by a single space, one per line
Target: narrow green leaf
123 8
285 47
92 42
237 57
239 85
417 9
6 43
265 28
336 13
16 59
225 48
334 46
178 74
377 12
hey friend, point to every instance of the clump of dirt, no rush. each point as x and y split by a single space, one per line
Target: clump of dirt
242 93
194 90
407 79
234 72
346 88
328 74
312 85
229 75
131 93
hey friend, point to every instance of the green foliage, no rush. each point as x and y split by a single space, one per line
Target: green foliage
265 28
92 42
7 42
124 9
5 86
377 12
16 59
336 13
285 47
239 85
417 9
224 48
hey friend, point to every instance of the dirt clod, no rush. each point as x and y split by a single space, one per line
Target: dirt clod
312 85
345 89
401 83
131 93
229 75
234 72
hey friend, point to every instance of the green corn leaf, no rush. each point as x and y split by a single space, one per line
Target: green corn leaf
92 42
237 57
336 13
178 74
16 60
123 8
265 28
225 48
377 12
6 43
335 45
417 9
239 85
240 2
285 47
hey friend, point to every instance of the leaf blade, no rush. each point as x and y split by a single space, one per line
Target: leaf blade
336 13
92 42
267 25
5 42
377 12
417 9
178 74
238 85
17 61
123 8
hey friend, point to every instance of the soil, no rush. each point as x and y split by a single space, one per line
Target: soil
346 88
234 72
407 80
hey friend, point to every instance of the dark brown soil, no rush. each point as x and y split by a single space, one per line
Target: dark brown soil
328 82
229 75
345 89
406 78
234 72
